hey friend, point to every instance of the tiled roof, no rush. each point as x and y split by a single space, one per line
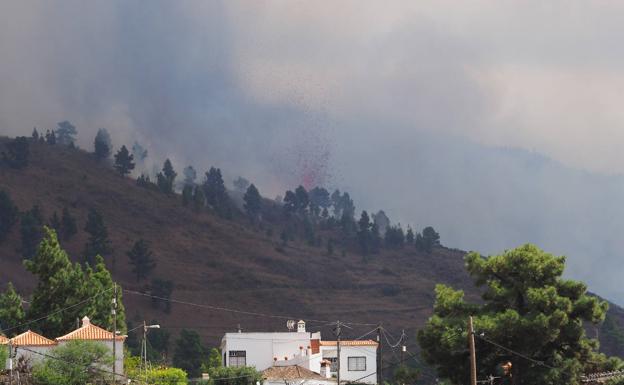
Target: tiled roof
292 372
3 340
350 343
89 331
31 338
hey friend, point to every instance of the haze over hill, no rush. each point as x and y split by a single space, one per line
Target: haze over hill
415 109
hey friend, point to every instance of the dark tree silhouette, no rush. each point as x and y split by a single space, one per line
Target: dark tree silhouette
253 202
166 178
66 133
102 144
124 161
98 242
141 259
17 152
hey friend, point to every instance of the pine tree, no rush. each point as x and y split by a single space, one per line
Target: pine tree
139 153
253 202
11 310
216 194
31 231
188 353
409 236
302 200
166 178
8 214
141 258
364 233
70 228
66 133
98 242
161 291
59 285
99 285
102 144
199 200
190 175
35 135
124 161
50 137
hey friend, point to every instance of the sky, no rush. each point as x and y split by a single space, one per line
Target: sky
497 122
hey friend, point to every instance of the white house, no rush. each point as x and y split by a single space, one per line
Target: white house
30 346
304 350
91 332
358 359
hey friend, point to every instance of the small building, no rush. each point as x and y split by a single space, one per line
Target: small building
358 359
303 350
91 332
31 346
294 375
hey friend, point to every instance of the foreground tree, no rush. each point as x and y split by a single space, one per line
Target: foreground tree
63 285
77 362
236 375
188 353
124 161
102 144
11 310
527 307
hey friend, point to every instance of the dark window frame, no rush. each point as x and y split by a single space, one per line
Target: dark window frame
355 363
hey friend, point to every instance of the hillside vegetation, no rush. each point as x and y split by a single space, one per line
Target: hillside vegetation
231 263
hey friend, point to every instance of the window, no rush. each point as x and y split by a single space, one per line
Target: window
357 364
238 358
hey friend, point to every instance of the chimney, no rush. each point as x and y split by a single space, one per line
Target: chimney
85 321
301 326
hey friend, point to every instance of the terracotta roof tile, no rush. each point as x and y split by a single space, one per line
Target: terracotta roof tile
89 331
31 338
292 372
350 343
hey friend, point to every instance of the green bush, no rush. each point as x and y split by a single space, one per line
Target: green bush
242 375
167 376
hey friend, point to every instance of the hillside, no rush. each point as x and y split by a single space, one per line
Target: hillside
228 263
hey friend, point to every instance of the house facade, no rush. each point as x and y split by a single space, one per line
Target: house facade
35 347
302 349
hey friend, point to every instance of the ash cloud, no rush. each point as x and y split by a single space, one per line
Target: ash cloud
434 111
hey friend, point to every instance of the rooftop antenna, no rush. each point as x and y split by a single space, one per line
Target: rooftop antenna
290 324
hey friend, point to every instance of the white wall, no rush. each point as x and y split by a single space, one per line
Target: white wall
262 348
31 355
370 352
119 354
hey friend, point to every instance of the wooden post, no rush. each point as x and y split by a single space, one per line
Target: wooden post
473 354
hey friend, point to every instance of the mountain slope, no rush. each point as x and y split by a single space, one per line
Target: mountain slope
227 263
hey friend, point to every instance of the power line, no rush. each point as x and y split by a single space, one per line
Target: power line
3 331
540 363
237 311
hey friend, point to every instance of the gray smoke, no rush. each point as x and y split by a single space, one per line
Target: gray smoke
435 112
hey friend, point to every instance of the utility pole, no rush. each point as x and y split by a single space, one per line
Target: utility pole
338 352
473 354
114 311
10 364
379 353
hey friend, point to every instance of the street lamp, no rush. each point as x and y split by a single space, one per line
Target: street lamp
144 347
